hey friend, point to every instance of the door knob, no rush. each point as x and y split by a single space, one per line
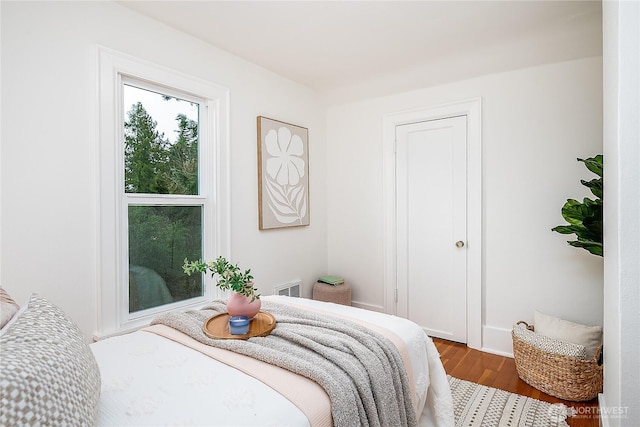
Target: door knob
459 243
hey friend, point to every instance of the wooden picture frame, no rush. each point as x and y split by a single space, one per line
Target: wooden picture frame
283 174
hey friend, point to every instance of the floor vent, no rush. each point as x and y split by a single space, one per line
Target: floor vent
291 289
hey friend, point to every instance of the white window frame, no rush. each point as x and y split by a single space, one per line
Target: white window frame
114 69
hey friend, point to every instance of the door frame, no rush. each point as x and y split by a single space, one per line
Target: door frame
472 110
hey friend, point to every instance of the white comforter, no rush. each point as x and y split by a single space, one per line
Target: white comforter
148 380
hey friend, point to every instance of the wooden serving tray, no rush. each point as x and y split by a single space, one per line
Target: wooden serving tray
217 327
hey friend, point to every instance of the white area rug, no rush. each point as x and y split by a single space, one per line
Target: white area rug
478 405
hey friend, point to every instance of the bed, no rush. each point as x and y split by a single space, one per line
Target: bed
161 375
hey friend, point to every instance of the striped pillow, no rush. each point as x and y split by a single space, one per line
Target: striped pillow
8 307
549 345
49 374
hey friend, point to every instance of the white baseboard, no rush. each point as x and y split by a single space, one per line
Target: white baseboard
497 341
604 421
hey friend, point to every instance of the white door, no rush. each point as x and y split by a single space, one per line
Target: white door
431 218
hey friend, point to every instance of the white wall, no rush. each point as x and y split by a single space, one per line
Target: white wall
49 148
622 214
536 121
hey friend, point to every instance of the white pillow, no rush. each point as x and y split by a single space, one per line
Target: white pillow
554 327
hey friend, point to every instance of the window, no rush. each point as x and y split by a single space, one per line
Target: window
163 189
161 135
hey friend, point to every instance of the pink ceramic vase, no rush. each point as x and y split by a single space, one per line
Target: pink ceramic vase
240 305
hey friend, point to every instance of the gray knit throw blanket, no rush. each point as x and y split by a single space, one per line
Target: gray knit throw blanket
361 371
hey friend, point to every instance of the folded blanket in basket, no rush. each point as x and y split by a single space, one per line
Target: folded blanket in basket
361 371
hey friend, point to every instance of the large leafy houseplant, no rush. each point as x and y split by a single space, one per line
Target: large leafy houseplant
585 218
229 276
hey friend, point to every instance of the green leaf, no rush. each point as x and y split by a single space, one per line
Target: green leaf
595 185
573 211
594 164
593 247
565 229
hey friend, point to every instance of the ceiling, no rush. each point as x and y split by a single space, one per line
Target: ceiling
346 50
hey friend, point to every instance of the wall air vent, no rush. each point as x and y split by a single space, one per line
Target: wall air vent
291 289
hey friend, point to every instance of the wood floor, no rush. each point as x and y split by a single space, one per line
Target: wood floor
500 372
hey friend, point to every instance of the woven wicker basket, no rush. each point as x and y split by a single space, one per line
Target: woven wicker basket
564 377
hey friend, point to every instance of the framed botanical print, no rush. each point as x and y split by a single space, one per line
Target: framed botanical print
283 174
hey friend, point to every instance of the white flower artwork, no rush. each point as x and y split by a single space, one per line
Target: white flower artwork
283 171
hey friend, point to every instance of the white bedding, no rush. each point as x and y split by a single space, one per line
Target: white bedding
148 380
